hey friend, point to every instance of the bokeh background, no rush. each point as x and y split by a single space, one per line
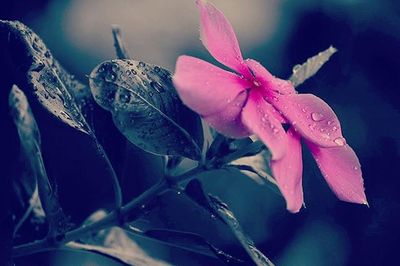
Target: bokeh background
360 82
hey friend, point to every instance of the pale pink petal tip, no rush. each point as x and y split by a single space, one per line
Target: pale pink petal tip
342 171
218 37
288 173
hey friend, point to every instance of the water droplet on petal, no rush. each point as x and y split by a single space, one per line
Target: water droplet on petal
340 141
317 116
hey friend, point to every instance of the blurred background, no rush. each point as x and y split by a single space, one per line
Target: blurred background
360 82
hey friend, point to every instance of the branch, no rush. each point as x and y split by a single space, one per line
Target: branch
132 208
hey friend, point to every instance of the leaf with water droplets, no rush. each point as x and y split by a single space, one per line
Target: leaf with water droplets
308 69
39 75
146 108
195 191
57 99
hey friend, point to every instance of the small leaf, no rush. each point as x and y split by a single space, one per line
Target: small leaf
146 108
311 66
256 166
242 148
119 44
190 241
115 243
195 192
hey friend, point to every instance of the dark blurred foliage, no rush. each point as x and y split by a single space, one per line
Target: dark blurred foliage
360 83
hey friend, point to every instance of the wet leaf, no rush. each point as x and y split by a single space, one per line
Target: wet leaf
308 69
59 103
146 108
115 242
195 191
38 73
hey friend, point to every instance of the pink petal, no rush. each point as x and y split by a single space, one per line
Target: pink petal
267 80
342 171
228 121
219 38
312 118
288 173
205 88
258 117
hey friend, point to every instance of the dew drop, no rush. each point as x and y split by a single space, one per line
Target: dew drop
156 69
141 64
317 116
256 83
157 87
110 77
340 141
124 97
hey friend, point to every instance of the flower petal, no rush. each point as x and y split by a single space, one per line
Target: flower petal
312 118
203 87
267 80
258 117
288 173
219 38
228 121
342 171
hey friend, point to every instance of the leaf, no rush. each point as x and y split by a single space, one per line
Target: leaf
30 141
308 69
257 168
190 241
59 103
115 242
39 73
195 191
146 109
242 148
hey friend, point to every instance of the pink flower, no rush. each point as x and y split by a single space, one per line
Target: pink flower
251 100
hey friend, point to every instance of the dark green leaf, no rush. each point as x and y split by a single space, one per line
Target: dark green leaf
146 108
30 141
308 69
57 99
196 192
257 167
38 73
115 242
192 242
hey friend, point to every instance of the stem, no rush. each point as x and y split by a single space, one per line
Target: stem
112 219
114 179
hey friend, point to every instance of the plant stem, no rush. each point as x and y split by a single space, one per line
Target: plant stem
112 219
